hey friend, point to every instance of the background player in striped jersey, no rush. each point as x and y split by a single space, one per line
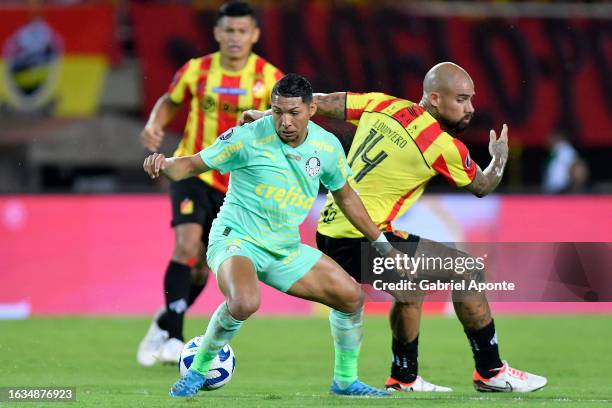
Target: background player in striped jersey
218 88
397 148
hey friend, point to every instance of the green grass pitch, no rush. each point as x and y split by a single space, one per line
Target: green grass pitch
287 362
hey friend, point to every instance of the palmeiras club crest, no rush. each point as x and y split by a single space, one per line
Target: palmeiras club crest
313 166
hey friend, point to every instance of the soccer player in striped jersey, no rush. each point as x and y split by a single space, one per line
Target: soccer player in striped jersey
218 88
397 148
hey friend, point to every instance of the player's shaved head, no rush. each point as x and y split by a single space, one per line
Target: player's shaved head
447 94
444 77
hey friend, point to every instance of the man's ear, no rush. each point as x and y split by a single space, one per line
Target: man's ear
255 36
217 32
434 99
312 108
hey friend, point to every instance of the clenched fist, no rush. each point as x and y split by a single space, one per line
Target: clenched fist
151 137
154 164
249 116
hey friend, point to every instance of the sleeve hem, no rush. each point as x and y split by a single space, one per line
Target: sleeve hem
206 161
172 101
337 188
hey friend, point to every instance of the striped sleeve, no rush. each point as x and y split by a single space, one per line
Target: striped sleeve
357 103
179 90
455 165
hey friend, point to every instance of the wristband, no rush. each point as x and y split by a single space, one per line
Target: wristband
382 245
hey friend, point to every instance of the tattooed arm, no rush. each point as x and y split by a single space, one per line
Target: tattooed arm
332 105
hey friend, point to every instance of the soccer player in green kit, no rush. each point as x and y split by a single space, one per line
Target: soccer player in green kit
276 165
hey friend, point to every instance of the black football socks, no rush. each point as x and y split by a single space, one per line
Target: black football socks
177 285
405 365
194 291
485 350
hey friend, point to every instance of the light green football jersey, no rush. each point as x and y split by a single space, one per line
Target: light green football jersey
272 185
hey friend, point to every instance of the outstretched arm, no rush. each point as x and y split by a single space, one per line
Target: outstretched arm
332 105
351 205
487 181
175 168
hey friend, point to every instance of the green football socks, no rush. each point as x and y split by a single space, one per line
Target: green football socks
221 329
347 331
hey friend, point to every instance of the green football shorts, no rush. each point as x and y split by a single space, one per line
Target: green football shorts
279 272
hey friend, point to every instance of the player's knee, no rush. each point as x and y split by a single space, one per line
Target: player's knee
353 299
186 251
242 307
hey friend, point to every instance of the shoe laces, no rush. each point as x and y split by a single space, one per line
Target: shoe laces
189 386
425 385
521 375
365 389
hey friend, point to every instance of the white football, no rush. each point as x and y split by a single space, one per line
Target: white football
221 369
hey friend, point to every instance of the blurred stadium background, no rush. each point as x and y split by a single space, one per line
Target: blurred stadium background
79 220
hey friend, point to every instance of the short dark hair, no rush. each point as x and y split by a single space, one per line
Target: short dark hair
293 85
236 9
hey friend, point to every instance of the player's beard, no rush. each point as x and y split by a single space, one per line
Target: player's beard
455 127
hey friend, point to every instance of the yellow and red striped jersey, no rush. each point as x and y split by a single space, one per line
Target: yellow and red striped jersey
218 97
398 147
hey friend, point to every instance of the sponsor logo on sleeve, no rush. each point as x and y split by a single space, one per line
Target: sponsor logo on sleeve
227 134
